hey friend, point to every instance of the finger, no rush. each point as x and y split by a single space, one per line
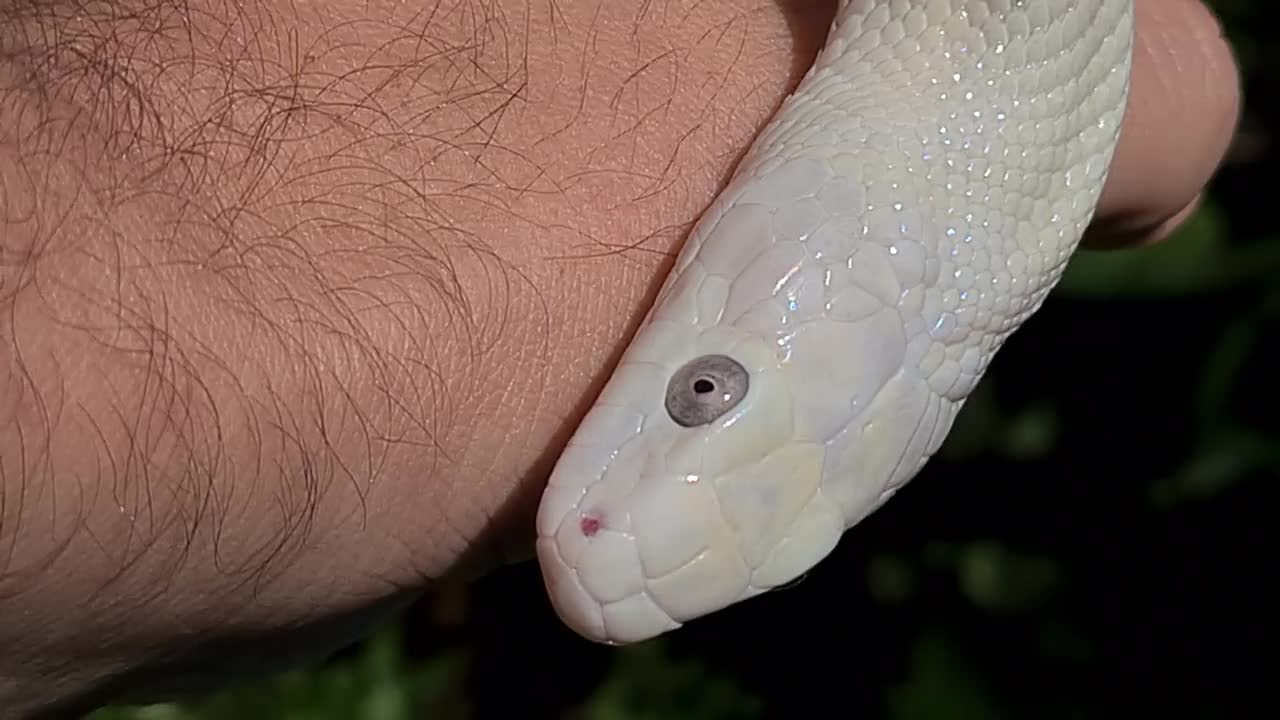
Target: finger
1183 108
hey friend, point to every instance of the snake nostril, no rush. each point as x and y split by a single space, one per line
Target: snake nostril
589 525
702 386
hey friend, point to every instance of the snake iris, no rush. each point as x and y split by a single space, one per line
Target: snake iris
910 205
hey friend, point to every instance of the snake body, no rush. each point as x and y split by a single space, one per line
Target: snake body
908 207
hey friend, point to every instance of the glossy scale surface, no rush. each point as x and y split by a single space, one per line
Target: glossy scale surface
907 209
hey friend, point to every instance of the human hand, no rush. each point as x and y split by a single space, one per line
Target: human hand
303 311
1183 108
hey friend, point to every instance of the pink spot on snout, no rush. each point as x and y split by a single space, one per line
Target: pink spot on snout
590 525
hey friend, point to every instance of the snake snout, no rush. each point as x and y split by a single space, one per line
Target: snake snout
599 593
631 567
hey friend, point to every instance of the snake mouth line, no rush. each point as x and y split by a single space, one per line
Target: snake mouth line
635 617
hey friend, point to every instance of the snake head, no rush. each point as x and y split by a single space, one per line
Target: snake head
699 478
911 204
673 498
763 408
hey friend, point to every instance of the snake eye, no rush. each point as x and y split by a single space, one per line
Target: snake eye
705 388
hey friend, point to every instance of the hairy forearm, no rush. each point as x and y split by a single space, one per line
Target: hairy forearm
225 326
293 296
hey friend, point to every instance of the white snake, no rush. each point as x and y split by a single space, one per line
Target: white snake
909 206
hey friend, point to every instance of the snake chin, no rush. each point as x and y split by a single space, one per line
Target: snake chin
638 556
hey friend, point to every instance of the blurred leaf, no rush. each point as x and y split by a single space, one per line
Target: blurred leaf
1058 640
943 685
1031 434
647 684
1225 364
377 685
1196 259
167 711
981 427
890 579
1219 462
942 555
996 578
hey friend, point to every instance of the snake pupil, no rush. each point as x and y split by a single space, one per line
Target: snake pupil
705 388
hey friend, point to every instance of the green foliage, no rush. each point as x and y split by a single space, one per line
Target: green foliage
942 685
378 684
647 684
1199 258
999 578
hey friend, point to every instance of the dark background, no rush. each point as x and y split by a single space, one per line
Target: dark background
1090 543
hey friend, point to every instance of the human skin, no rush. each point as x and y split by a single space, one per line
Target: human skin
301 302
